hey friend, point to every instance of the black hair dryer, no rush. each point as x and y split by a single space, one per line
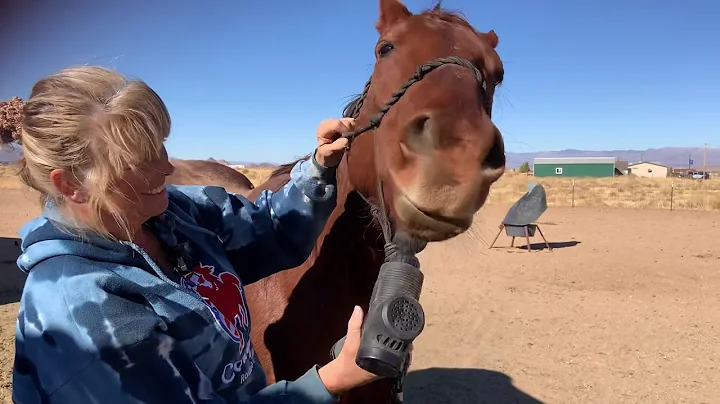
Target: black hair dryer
394 319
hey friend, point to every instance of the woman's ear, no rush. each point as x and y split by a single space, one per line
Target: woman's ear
68 186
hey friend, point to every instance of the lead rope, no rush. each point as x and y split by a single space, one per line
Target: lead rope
379 211
381 215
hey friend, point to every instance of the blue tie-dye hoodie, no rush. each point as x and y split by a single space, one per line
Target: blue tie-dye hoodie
100 322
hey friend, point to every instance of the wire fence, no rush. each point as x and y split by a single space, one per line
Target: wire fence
617 192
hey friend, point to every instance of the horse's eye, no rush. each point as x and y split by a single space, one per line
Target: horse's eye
385 49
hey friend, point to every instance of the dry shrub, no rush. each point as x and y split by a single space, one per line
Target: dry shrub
11 116
257 175
618 192
9 178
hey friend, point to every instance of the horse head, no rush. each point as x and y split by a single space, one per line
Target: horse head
436 151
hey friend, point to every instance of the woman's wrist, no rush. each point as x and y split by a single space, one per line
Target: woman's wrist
331 378
320 160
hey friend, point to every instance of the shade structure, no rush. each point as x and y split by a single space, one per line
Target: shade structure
528 208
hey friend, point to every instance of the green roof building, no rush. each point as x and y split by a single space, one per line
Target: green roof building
575 167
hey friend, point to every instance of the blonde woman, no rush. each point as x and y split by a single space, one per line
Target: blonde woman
130 295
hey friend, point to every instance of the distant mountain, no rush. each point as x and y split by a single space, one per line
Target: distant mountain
676 157
249 164
224 162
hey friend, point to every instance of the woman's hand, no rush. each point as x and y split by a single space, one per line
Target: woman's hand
331 146
342 374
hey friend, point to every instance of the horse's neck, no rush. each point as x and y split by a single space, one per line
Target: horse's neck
350 246
319 294
351 226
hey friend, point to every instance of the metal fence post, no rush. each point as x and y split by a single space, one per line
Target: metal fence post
672 192
573 193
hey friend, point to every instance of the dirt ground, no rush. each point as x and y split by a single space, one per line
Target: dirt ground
625 309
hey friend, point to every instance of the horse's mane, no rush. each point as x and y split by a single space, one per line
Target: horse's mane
436 12
452 17
284 169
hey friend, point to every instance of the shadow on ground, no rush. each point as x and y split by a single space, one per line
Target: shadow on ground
12 279
556 245
455 386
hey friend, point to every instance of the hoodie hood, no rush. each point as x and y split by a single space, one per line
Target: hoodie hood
42 238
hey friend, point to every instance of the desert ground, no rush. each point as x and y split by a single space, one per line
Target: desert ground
624 309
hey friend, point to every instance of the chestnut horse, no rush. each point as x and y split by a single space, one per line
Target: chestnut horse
205 172
436 152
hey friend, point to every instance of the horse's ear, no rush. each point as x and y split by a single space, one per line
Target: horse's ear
391 11
491 38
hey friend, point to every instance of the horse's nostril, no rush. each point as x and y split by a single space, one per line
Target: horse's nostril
418 135
495 159
418 125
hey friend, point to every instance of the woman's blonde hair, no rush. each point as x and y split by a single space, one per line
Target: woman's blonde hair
94 124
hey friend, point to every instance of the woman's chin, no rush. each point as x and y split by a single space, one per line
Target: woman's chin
155 204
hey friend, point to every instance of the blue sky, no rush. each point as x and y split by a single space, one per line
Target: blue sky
251 80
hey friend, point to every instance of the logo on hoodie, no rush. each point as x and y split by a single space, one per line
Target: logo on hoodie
223 295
